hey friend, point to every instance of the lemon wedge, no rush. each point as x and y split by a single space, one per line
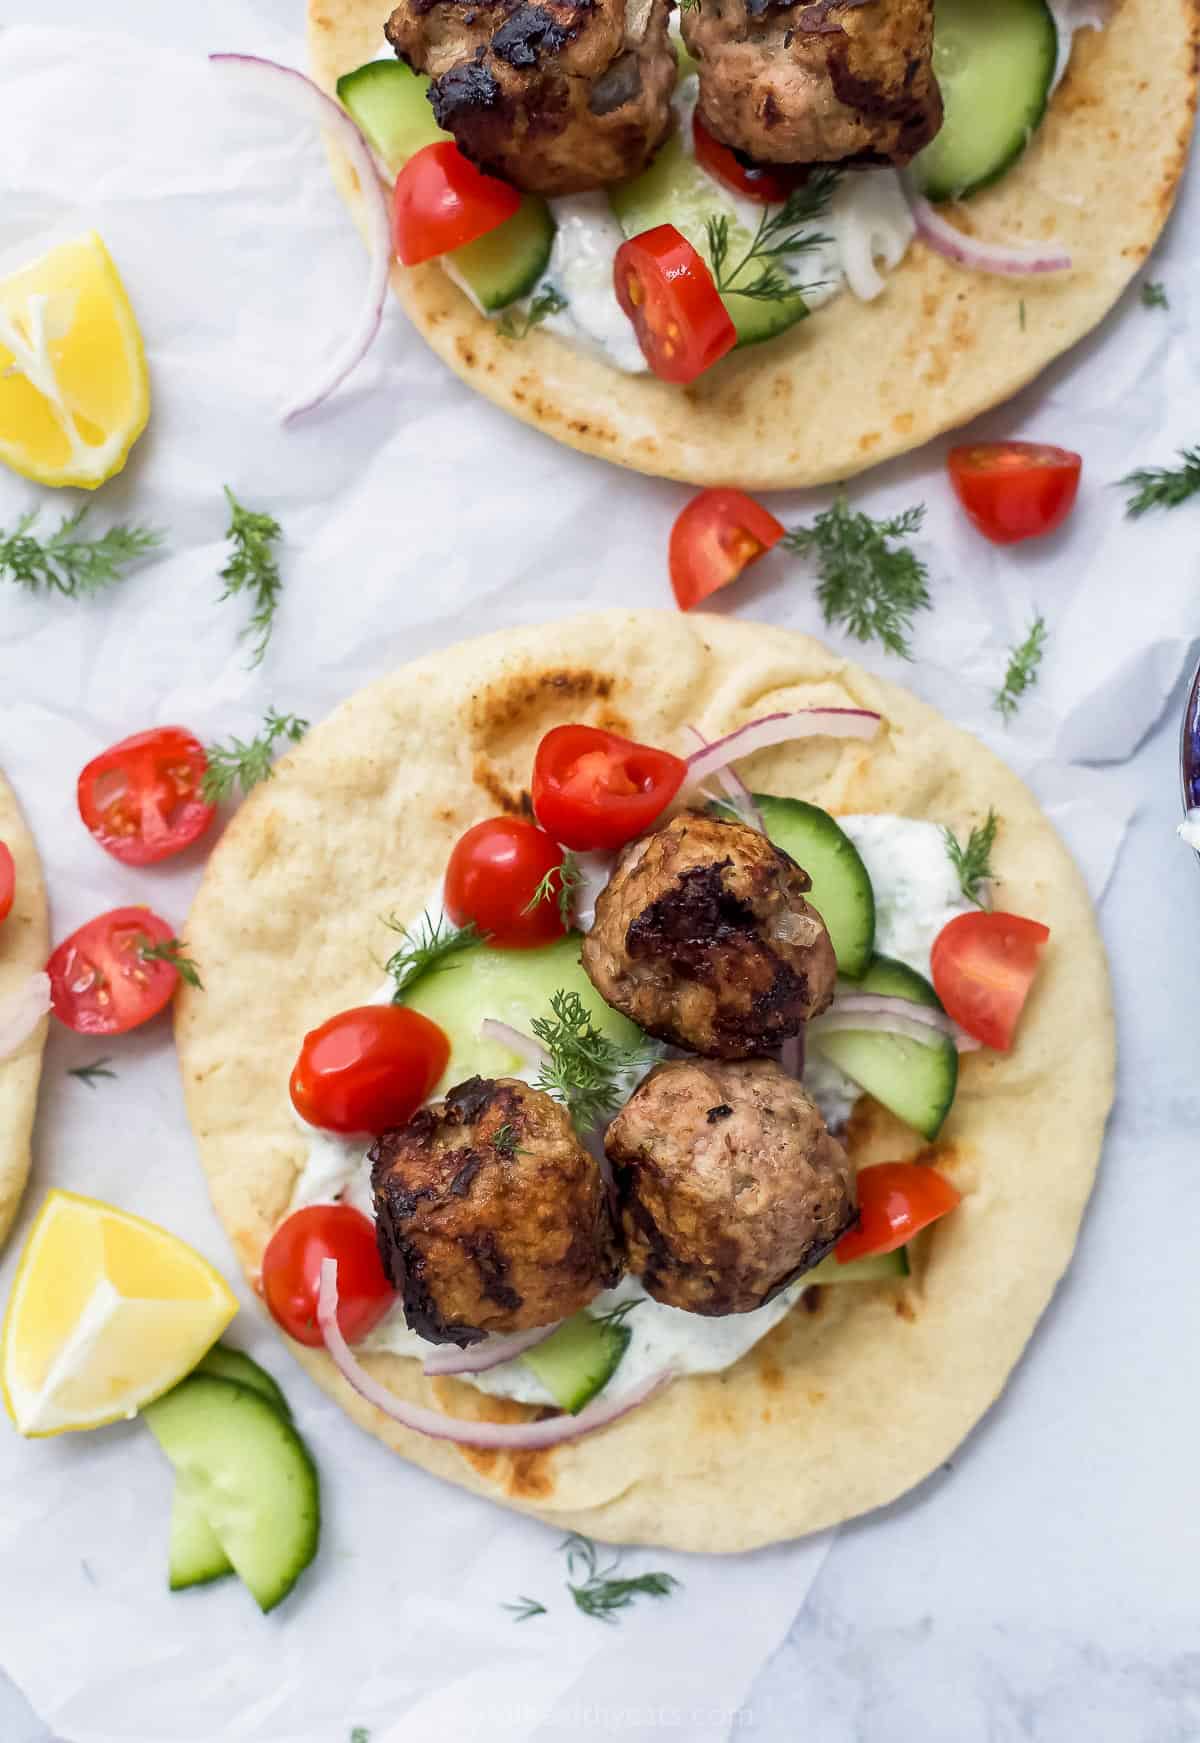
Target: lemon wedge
106 1313
74 390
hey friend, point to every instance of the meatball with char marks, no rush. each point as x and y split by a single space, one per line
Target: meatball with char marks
730 1186
703 937
490 1214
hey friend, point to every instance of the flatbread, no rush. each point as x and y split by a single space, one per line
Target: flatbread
860 1392
861 382
24 947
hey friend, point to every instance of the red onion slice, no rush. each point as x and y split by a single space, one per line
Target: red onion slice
883 1004
497 1436
791 1056
493 1352
1003 259
22 1011
735 790
288 85
773 729
516 1040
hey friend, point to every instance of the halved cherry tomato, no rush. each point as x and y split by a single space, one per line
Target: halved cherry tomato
768 183
719 534
8 881
505 876
291 1272
141 798
595 790
667 291
895 1201
1015 490
983 967
100 984
442 201
368 1069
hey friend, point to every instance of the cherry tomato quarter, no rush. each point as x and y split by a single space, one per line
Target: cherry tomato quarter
101 984
141 798
368 1069
895 1201
593 790
504 876
1015 490
442 201
666 290
718 534
767 183
8 881
983 966
291 1272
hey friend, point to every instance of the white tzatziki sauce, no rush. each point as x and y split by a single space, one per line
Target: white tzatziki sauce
916 893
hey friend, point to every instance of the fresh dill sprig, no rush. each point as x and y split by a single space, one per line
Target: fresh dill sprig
74 567
427 949
504 1142
870 583
585 1068
360 1734
244 765
600 1593
973 863
1022 674
1163 486
1154 294
254 569
782 232
91 1074
171 951
519 323
689 5
619 1314
524 1608
559 885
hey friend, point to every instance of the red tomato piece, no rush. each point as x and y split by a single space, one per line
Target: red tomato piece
595 790
719 534
983 967
895 1201
442 201
291 1272
141 798
768 183
505 876
667 291
100 984
368 1069
1015 490
8 881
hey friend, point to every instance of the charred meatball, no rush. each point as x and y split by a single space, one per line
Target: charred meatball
730 1186
703 937
836 81
558 97
490 1214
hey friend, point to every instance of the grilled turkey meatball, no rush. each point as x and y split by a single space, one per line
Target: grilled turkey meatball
490 1214
730 1186
704 938
557 96
839 80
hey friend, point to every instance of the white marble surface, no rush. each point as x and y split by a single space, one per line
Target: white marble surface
1043 1587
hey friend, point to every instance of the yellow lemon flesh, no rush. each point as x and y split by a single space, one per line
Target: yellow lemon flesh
74 391
107 1313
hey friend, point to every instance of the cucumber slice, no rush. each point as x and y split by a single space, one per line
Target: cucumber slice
390 103
841 890
231 1364
251 1477
513 986
994 60
194 1553
914 1079
876 1268
580 1358
675 190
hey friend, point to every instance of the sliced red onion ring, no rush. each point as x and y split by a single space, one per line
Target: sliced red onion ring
498 1436
22 1011
595 869
293 87
791 1055
883 1004
773 729
531 1051
1005 259
735 790
493 1352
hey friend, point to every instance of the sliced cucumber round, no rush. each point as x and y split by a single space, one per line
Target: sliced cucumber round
578 1359
194 1553
391 105
250 1475
994 61
841 890
231 1364
915 1080
875 1268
